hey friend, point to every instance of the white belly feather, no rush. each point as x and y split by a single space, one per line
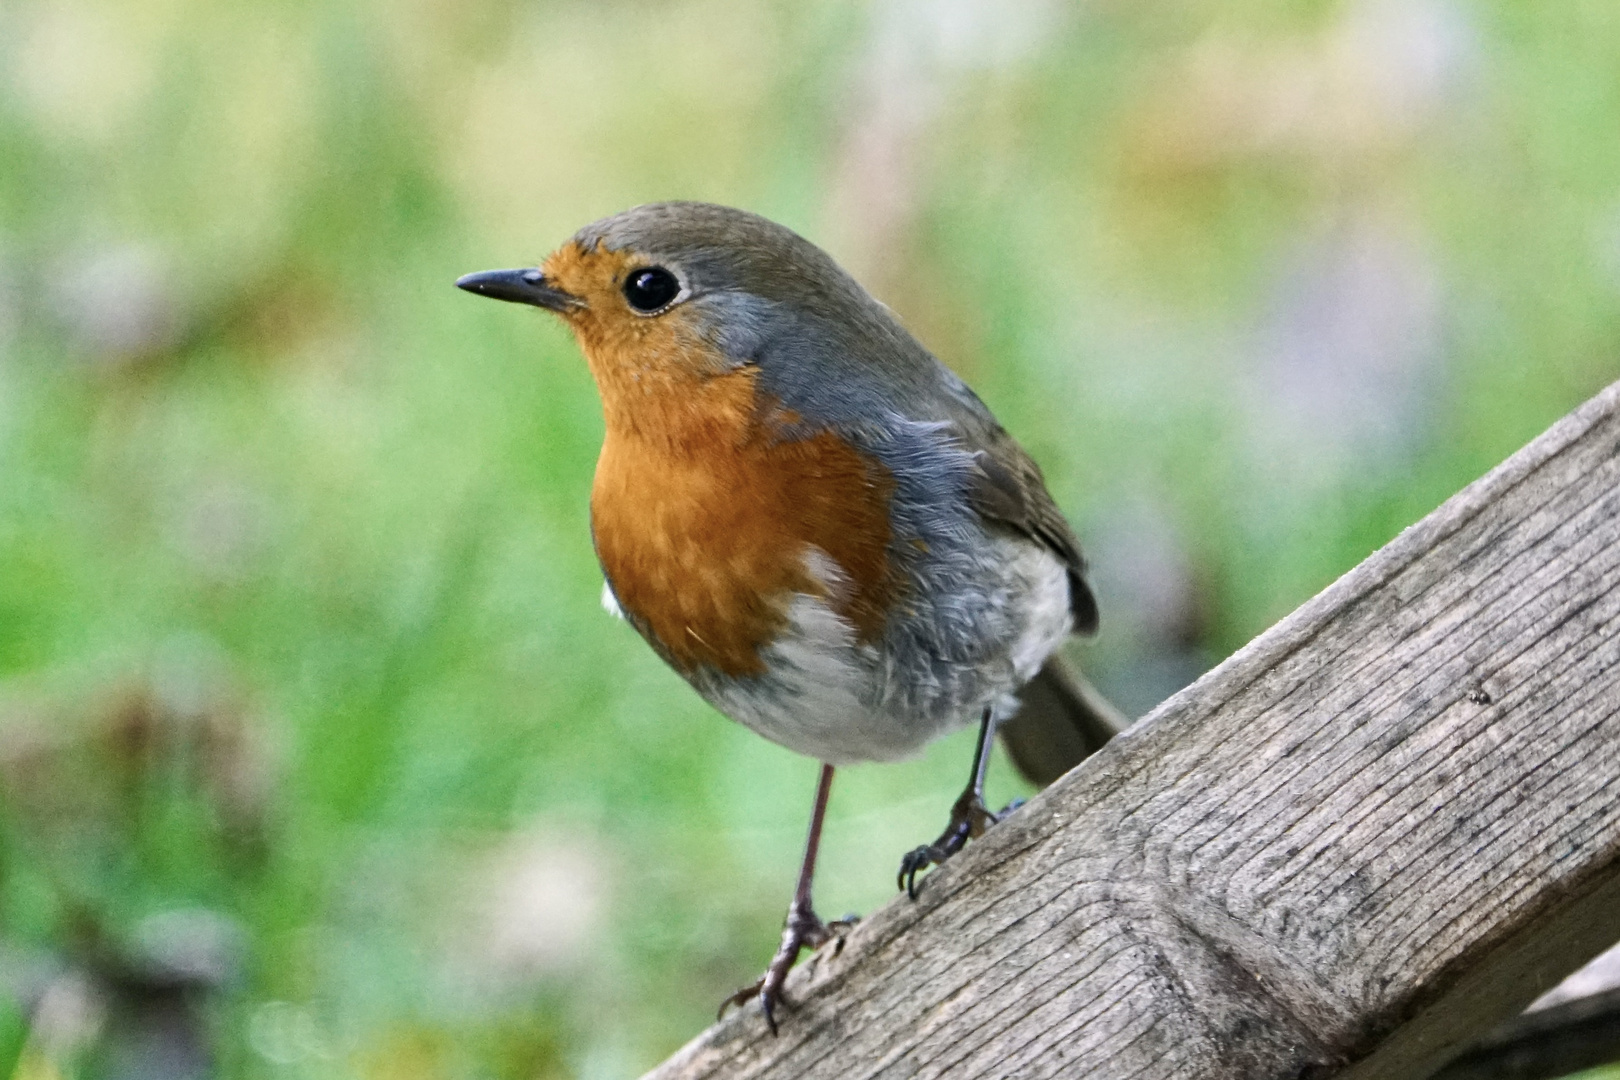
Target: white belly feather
834 699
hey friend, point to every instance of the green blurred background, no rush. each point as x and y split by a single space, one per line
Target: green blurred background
318 757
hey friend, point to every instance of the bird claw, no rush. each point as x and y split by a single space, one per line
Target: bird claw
915 862
969 819
803 930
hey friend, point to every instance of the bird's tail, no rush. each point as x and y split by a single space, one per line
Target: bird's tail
1063 721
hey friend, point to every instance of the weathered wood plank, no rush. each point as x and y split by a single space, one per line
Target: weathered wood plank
1385 824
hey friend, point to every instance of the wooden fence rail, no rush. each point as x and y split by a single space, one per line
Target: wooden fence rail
1384 825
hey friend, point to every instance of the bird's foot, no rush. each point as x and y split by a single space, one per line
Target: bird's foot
803 930
969 819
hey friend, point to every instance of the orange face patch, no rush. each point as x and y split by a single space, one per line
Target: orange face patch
638 361
703 516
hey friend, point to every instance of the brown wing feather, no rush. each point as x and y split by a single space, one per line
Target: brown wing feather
1010 490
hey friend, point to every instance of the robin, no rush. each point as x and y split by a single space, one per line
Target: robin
812 519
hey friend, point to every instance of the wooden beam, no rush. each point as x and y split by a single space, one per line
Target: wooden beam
1384 825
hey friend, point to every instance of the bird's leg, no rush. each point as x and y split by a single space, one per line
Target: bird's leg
969 817
803 928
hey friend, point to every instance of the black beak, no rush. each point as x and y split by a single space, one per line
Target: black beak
520 287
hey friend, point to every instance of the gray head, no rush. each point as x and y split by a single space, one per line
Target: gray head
752 291
706 249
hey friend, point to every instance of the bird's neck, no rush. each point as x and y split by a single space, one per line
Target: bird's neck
669 411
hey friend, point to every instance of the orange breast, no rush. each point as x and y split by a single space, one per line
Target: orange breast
703 519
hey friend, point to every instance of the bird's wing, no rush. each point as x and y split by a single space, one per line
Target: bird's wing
1008 489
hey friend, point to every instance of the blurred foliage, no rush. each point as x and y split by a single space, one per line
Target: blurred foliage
319 756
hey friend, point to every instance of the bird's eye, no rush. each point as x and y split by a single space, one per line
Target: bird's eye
650 289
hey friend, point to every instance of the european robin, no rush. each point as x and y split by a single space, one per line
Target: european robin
811 518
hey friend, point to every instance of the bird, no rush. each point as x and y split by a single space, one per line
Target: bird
812 519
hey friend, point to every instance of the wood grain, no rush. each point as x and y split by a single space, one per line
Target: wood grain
1384 825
